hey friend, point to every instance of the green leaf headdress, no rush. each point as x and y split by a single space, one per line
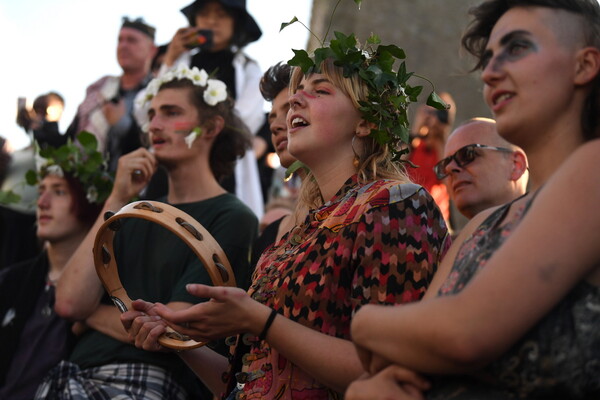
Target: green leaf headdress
389 92
79 159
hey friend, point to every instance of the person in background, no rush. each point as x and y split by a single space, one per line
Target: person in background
279 217
430 129
513 311
107 109
33 338
480 168
214 41
197 137
4 159
18 238
42 120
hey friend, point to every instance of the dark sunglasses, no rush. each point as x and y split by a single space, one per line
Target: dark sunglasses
463 157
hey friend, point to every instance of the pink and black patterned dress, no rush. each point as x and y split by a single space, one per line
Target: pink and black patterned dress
559 358
375 243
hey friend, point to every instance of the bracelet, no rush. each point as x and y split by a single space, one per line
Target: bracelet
272 316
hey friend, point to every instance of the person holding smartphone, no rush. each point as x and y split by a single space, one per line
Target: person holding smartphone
214 41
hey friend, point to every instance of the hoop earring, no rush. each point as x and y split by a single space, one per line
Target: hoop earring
356 160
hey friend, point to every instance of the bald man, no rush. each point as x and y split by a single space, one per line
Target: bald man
480 168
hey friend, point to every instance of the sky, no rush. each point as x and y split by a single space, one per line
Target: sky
65 45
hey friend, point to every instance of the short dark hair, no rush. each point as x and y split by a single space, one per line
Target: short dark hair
274 80
487 14
140 25
235 138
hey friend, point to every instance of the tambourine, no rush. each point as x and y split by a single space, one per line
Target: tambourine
181 224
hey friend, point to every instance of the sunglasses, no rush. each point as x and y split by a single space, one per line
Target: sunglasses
463 157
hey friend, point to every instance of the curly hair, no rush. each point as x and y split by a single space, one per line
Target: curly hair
375 162
232 142
486 14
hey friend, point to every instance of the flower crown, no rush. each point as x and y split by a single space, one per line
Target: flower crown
389 94
79 159
216 90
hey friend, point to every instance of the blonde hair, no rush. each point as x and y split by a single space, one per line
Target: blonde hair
375 162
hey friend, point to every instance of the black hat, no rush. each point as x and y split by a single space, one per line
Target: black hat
249 28
140 25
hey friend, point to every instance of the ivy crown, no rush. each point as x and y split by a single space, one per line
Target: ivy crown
81 160
389 92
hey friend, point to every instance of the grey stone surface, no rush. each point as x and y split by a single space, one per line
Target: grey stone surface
428 30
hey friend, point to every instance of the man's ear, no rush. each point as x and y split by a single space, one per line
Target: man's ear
519 165
213 127
588 65
364 128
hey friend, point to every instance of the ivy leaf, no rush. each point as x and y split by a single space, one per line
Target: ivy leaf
437 102
31 177
9 197
374 39
286 24
296 165
87 140
302 60
413 92
393 50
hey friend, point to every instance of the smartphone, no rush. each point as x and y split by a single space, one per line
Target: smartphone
203 39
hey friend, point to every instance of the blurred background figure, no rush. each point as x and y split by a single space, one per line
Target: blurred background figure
431 127
33 338
43 118
5 158
18 240
280 215
480 168
215 39
107 110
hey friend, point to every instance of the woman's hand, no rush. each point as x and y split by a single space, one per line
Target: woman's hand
134 171
228 312
177 45
371 362
143 326
393 383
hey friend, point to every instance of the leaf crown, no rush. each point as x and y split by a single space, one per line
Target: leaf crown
82 161
389 93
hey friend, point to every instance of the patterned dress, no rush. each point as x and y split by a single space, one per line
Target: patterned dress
559 358
374 243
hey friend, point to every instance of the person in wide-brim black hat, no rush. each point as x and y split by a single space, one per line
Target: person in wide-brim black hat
246 28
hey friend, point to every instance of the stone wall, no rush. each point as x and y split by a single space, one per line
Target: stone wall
428 30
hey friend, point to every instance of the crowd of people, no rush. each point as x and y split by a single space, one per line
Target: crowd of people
358 285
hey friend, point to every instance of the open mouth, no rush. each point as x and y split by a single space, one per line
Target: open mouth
502 97
299 122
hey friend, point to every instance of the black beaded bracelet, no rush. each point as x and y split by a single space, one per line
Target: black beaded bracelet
263 334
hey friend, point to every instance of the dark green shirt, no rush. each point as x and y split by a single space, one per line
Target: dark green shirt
155 265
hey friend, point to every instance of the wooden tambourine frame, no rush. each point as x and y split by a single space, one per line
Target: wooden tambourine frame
181 224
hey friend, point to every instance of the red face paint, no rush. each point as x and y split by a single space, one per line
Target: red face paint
183 127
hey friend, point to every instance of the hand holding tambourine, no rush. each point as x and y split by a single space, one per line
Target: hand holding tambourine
181 224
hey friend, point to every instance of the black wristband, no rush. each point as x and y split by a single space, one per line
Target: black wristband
263 334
